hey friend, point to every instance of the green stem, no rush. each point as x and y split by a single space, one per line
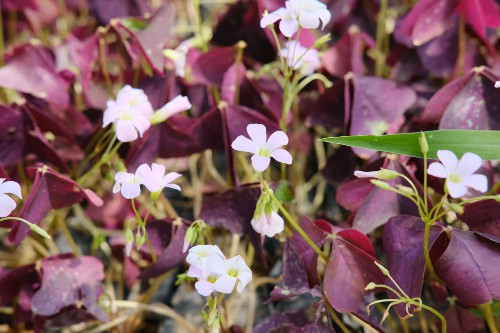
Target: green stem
428 308
426 248
196 5
142 224
71 241
488 316
380 39
104 159
296 226
32 226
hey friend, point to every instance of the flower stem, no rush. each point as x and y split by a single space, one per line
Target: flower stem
296 226
490 320
142 223
32 226
428 308
426 248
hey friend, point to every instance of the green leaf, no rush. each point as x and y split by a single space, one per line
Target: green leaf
283 192
486 144
135 24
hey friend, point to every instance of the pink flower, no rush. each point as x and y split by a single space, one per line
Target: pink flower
7 204
459 174
301 58
289 23
130 113
268 223
263 149
178 104
154 177
231 272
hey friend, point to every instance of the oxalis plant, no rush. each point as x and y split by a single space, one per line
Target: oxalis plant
260 166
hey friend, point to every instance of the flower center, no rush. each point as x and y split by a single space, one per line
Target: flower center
264 151
126 116
212 278
454 178
233 272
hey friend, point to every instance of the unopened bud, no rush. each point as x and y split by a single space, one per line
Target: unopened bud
370 286
381 184
456 208
424 146
406 190
384 270
322 40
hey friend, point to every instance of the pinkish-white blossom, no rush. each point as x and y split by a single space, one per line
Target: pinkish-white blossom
268 223
154 177
263 148
300 58
231 272
128 184
130 114
459 174
176 105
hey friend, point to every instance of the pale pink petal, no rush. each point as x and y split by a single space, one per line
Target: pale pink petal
110 114
260 163
174 186
456 190
130 190
158 170
142 124
259 224
116 188
272 17
289 27
309 20
242 143
276 140
170 177
324 16
477 182
225 284
257 133
204 287
11 187
497 84
449 160
244 277
469 163
216 263
281 155
125 131
122 177
436 169
7 205
143 171
128 248
364 174
194 272
276 224
126 93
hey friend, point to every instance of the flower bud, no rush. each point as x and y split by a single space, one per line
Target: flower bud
370 286
424 146
384 270
456 208
381 184
406 190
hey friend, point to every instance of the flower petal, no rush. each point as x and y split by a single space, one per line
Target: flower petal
289 27
244 277
281 155
170 177
449 160
272 17
469 163
276 140
436 169
7 205
456 190
125 131
242 143
11 187
477 182
142 124
324 16
204 287
225 284
260 163
194 271
130 190
216 263
143 171
309 20
257 133
174 186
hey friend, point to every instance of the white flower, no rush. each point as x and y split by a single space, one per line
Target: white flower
309 14
263 149
231 271
178 56
128 184
198 256
130 113
289 23
7 204
380 174
154 177
497 84
178 104
459 174
301 58
269 223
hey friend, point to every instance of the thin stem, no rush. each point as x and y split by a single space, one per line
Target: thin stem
426 249
104 159
336 318
143 225
426 207
296 226
71 241
488 316
428 308
380 39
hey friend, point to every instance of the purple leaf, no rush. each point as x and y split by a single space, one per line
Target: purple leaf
428 19
275 321
378 106
169 242
347 273
13 127
209 68
30 69
480 14
461 320
233 79
483 216
352 194
471 260
50 190
327 109
109 9
403 244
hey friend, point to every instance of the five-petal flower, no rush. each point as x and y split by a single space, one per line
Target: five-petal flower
128 184
231 271
130 113
7 204
154 177
263 149
459 174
